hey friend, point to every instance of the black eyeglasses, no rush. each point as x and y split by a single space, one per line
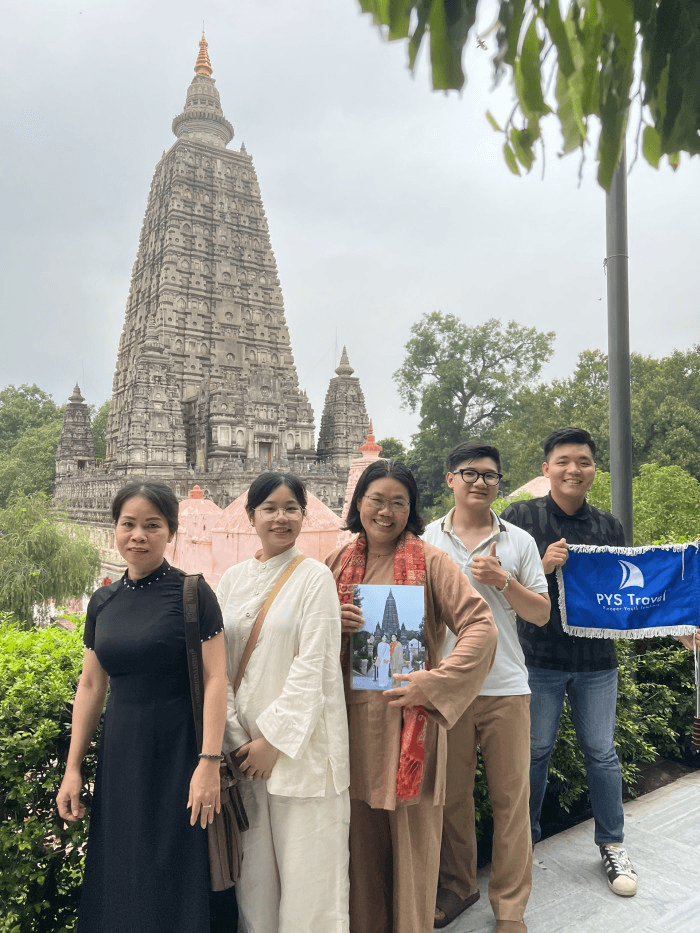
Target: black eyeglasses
490 477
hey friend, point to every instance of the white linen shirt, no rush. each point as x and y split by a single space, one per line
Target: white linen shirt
517 552
292 689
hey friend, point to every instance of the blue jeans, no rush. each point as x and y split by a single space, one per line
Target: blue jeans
593 699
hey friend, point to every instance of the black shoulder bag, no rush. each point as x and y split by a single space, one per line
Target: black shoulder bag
224 833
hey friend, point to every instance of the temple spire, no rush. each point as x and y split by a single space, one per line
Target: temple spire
370 446
203 65
344 420
203 120
344 368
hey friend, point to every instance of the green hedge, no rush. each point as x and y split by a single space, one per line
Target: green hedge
41 861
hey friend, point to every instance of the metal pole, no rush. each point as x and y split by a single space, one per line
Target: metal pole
619 349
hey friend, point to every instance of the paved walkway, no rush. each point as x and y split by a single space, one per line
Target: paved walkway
570 891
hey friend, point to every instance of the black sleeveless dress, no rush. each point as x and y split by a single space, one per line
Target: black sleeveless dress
146 868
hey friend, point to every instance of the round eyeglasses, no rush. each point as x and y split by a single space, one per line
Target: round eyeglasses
490 477
270 511
395 505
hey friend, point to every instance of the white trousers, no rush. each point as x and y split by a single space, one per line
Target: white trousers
294 876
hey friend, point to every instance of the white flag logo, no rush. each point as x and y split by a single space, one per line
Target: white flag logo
631 575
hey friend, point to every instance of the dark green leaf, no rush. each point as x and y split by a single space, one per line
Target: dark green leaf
511 18
528 80
522 146
553 20
570 112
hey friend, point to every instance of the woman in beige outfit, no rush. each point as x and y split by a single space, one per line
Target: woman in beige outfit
397 737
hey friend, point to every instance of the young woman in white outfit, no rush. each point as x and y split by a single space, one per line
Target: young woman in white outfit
288 725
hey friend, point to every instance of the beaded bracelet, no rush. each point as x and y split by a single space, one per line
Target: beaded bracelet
509 577
211 757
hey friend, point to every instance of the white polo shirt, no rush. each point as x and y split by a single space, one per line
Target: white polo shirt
517 552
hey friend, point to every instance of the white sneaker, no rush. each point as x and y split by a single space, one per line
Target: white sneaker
622 878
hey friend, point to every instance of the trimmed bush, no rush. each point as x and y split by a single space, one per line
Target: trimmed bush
41 860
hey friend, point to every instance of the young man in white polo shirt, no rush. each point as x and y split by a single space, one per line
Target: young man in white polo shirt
503 564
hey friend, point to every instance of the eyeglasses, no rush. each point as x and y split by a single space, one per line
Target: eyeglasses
395 505
291 511
490 477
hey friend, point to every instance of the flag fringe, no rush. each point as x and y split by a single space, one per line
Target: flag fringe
637 633
634 633
631 551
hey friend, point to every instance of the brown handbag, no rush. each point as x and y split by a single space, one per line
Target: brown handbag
224 833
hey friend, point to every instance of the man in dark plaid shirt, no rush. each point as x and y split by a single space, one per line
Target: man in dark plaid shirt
558 664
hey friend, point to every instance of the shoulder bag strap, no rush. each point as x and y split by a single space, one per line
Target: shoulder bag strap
253 638
194 650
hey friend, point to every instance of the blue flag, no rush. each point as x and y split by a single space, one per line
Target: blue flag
630 592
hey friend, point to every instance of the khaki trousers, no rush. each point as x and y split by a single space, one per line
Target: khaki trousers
501 726
394 862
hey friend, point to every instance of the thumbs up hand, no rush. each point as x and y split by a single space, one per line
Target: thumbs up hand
488 570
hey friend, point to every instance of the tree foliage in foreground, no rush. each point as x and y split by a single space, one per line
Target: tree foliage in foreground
586 50
42 557
463 380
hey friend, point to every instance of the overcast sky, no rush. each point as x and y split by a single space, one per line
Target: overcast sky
384 199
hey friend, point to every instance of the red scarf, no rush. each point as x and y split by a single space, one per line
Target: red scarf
409 570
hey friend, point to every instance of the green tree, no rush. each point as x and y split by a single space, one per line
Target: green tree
581 400
24 409
42 557
595 54
98 426
463 379
392 449
666 503
665 414
30 466
30 426
666 410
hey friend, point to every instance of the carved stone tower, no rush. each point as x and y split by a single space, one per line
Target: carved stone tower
390 620
76 448
344 422
205 374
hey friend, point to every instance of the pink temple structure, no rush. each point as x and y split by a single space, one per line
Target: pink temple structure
211 539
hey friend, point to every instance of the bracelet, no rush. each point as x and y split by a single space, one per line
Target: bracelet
211 757
509 577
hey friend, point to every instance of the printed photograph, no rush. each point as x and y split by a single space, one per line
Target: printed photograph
392 640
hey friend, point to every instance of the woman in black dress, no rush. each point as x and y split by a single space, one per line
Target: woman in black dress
147 865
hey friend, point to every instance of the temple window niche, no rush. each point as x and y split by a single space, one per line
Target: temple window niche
224 435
